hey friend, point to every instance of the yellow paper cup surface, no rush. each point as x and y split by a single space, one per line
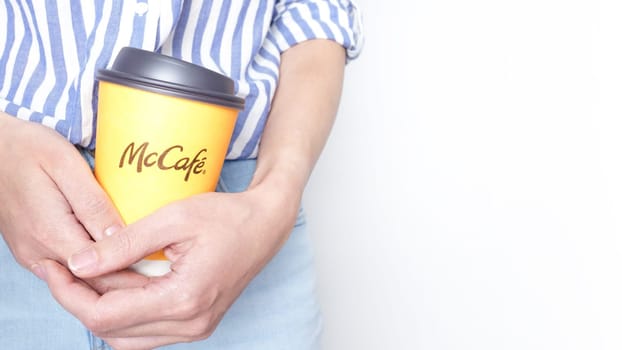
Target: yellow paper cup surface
154 148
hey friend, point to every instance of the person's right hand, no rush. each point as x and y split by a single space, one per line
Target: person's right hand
52 205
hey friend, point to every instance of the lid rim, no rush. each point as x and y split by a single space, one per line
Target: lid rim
170 88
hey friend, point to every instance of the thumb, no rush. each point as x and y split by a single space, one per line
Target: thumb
119 251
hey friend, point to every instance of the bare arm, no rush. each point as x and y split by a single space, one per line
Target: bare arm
302 115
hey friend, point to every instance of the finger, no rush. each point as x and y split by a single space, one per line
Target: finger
89 201
74 295
158 328
117 280
56 228
144 342
190 329
125 247
117 309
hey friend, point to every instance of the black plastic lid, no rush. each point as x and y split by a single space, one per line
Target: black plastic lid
154 72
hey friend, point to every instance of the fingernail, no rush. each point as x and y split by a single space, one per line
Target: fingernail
112 230
83 260
39 271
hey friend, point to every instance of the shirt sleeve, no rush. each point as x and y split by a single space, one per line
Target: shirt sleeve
295 21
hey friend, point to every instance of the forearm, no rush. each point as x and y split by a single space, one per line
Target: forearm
302 114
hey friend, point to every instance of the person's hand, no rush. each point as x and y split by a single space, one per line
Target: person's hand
51 203
217 242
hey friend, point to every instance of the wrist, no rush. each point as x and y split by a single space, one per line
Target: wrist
281 176
278 188
277 197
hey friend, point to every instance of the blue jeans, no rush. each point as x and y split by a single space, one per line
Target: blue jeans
278 309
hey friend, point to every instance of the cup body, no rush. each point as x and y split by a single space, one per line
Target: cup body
162 134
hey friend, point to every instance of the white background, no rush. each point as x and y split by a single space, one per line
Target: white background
470 195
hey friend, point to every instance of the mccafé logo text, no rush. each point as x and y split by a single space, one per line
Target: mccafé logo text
170 158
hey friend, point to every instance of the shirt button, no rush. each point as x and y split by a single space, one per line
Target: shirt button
141 8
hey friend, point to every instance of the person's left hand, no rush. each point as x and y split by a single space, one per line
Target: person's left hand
217 242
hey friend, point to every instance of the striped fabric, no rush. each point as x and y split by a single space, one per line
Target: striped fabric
51 50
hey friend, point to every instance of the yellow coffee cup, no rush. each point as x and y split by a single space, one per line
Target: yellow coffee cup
163 130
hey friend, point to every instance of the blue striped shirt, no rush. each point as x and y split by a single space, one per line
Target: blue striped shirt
51 50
